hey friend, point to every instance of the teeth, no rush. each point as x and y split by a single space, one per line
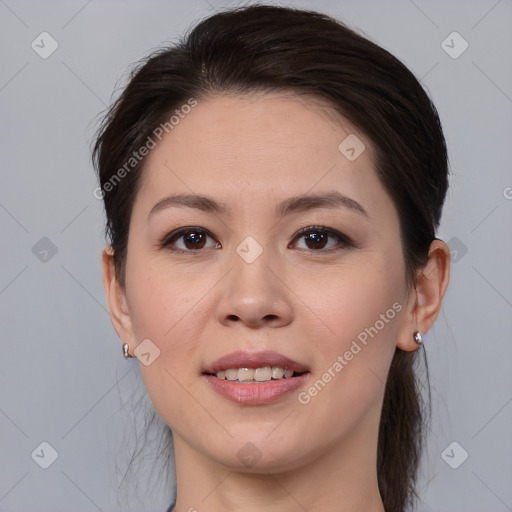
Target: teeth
263 374
231 374
245 374
277 373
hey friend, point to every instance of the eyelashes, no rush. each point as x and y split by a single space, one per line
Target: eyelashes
317 238
195 237
194 240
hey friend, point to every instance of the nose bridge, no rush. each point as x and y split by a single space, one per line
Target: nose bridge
253 256
251 275
252 294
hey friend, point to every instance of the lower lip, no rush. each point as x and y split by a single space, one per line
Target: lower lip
255 393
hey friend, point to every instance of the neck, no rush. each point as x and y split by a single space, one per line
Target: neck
342 479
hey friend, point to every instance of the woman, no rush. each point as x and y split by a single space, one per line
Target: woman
272 186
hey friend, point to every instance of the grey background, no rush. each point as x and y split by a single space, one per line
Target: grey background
62 377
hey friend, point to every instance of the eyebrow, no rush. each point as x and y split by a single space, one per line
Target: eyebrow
291 205
310 201
189 201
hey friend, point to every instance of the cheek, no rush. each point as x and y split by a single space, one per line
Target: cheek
359 310
164 308
162 301
356 298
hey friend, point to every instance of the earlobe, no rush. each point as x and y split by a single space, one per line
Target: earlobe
116 298
426 297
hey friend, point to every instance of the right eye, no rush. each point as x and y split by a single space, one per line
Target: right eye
190 239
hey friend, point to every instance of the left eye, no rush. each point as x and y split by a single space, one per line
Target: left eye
317 238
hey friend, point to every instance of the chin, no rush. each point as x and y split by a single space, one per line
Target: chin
254 452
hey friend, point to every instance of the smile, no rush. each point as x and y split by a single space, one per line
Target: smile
255 378
262 374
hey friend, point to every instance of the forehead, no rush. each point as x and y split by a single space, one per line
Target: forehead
257 144
262 123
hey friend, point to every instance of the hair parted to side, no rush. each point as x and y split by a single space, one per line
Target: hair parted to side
276 49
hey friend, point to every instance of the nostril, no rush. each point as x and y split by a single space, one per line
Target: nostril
233 317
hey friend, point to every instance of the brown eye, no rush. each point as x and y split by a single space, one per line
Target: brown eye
194 240
190 239
316 238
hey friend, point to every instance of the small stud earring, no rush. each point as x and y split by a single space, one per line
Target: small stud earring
126 352
418 338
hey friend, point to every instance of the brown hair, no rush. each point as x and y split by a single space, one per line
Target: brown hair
267 48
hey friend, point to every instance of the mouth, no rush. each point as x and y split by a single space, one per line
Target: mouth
255 375
255 378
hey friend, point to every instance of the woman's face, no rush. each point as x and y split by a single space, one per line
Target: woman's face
257 241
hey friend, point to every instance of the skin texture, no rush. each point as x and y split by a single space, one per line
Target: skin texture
310 304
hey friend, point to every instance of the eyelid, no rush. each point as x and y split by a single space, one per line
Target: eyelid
344 239
179 232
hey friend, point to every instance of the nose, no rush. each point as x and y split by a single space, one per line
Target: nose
254 295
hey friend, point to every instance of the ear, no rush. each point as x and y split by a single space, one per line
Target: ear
116 298
426 295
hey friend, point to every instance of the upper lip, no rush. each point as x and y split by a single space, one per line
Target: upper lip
241 359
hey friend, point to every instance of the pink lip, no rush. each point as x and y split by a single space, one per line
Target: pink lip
255 393
241 359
